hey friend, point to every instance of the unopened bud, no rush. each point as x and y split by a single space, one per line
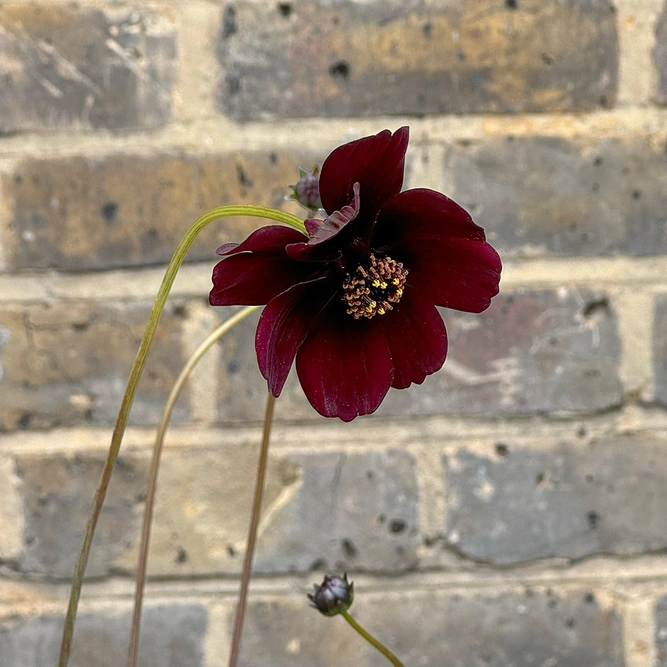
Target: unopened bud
306 190
334 595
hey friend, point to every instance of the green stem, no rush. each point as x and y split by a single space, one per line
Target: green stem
371 640
154 470
128 398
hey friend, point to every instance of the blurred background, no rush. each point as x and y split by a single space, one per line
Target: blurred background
512 510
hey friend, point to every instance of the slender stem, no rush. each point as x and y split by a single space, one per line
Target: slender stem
155 465
371 640
252 533
128 398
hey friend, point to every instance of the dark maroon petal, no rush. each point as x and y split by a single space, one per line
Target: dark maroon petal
269 237
345 367
376 162
417 339
449 261
253 279
282 328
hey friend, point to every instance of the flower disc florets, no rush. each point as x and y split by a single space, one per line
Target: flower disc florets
354 301
334 595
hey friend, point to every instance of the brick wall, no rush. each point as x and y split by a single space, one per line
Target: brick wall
513 509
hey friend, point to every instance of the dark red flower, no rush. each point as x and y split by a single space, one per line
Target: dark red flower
355 301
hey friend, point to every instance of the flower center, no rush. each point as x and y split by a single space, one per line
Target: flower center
374 287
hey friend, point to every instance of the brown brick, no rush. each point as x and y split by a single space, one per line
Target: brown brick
541 195
568 500
522 628
57 498
531 351
660 56
74 67
68 364
127 210
171 634
318 58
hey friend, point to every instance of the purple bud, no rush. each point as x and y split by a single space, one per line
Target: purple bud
306 190
334 595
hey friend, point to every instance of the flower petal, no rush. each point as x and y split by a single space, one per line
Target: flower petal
417 339
345 366
446 253
376 162
257 270
282 328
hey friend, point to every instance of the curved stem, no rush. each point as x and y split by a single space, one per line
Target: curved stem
371 640
155 465
128 397
252 532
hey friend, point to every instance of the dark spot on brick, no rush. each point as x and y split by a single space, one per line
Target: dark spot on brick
348 548
231 551
110 211
233 366
570 622
582 432
273 158
242 177
589 478
233 84
397 525
285 9
18 179
340 70
511 4
461 56
151 234
180 310
25 420
595 187
598 306
539 478
547 59
636 194
427 29
381 518
552 603
319 564
229 26
593 519
502 449
589 598
370 474
43 500
604 101
181 555
38 221
598 161
80 326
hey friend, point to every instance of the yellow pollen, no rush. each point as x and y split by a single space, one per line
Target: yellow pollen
383 285
381 310
399 292
395 281
376 283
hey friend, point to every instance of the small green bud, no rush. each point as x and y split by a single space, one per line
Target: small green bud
306 190
334 595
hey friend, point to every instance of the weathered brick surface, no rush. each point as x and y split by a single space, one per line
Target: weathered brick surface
660 349
127 210
541 195
522 629
316 58
660 56
365 516
57 495
65 364
661 632
571 500
172 635
531 351
78 67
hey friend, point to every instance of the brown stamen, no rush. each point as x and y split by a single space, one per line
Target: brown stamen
373 288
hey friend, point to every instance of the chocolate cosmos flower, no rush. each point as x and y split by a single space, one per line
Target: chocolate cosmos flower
355 301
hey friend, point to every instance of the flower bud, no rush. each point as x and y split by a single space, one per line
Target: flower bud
334 595
306 190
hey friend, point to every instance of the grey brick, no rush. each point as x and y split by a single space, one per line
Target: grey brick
57 497
531 351
318 58
568 500
522 629
66 364
78 213
660 349
542 195
172 635
661 632
660 56
86 68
